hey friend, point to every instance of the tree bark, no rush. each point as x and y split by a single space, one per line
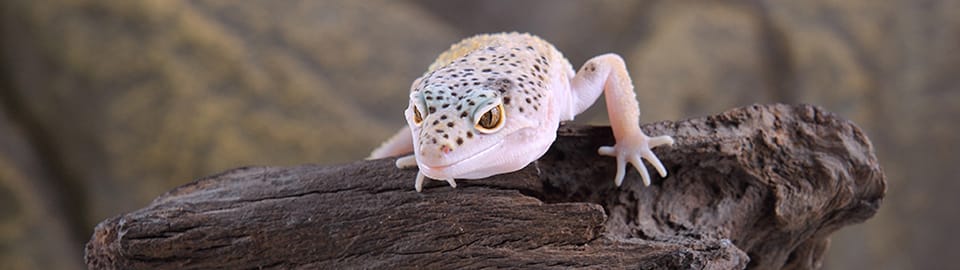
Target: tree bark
757 187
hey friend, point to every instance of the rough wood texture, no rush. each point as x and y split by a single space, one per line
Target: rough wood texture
758 187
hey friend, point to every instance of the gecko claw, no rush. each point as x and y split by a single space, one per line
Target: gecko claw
634 150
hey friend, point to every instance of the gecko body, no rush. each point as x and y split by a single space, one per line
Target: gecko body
491 104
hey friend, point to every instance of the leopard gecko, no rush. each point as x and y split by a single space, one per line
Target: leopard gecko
491 104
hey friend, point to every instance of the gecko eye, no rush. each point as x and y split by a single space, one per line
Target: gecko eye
491 121
417 118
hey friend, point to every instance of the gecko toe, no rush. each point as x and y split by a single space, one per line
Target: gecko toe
419 182
621 170
650 157
638 163
452 182
607 151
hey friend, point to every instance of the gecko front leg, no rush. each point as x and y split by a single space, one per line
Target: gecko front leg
608 73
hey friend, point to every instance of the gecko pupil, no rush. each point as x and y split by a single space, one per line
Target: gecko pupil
491 119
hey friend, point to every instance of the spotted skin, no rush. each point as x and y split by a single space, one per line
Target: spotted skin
491 104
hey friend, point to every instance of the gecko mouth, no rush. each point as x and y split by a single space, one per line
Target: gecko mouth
452 169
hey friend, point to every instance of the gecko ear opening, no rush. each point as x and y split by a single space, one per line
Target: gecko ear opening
492 120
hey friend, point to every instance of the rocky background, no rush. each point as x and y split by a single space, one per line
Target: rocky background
106 104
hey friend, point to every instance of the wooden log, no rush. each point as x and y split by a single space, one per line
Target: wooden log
755 187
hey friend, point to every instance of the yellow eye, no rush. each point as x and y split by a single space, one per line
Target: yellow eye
491 121
417 118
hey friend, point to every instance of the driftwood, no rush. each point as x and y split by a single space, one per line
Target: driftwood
756 187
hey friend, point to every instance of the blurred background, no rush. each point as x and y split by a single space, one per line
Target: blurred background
106 104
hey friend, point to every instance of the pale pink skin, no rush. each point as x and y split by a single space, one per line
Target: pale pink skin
537 88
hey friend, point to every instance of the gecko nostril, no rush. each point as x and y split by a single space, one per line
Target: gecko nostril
445 149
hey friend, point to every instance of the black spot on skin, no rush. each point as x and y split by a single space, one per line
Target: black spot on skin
432 109
485 70
509 71
535 108
506 101
537 67
476 83
434 140
463 115
469 134
449 124
438 130
445 136
459 141
471 103
527 100
443 117
521 109
482 59
482 95
530 48
452 93
436 122
459 107
513 55
429 98
445 105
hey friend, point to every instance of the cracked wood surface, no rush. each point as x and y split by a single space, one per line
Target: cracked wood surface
757 187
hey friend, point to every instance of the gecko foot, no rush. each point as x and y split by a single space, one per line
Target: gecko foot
633 149
420 177
406 162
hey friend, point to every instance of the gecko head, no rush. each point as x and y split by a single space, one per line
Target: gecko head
468 131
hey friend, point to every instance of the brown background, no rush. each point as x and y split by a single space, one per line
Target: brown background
106 104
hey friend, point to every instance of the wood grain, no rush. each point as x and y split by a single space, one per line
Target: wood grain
758 187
